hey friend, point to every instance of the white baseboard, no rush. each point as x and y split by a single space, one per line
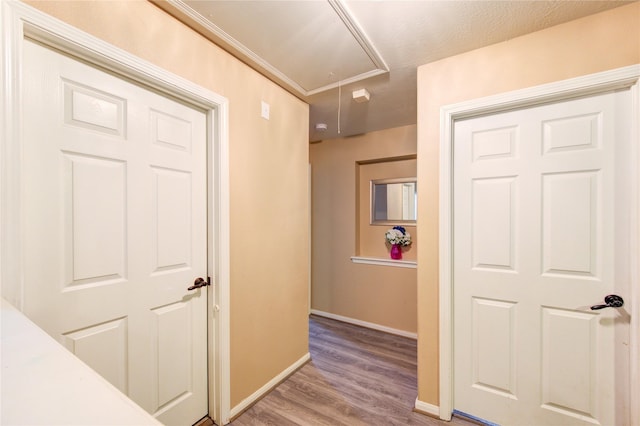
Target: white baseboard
365 324
254 397
426 408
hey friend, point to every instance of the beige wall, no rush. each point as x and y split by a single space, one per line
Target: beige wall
377 294
600 42
268 172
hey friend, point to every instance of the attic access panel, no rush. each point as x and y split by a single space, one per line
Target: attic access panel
310 45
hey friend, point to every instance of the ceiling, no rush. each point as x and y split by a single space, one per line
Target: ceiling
323 50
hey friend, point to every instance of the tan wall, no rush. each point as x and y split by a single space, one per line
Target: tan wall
269 191
597 43
378 294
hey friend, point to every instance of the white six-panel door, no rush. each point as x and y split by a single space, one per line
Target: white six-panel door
114 180
539 236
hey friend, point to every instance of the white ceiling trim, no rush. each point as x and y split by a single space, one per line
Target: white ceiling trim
346 81
241 51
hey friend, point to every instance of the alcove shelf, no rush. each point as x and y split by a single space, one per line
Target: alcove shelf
384 262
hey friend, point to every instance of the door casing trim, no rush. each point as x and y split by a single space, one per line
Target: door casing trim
19 21
621 78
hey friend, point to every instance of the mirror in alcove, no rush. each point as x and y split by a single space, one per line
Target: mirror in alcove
394 201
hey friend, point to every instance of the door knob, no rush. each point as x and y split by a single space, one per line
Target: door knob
199 282
611 301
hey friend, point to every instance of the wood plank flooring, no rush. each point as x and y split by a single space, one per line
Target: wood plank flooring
356 376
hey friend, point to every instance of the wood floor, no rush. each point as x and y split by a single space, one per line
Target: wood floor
356 376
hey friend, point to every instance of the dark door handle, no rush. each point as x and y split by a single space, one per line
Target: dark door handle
611 301
199 282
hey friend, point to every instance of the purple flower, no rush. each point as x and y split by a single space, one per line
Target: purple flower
401 229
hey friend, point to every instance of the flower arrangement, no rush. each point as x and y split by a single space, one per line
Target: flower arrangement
398 235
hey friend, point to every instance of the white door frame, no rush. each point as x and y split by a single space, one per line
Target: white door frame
622 78
18 21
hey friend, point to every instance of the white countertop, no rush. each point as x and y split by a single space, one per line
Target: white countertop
42 383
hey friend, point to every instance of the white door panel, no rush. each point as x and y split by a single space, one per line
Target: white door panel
537 195
115 230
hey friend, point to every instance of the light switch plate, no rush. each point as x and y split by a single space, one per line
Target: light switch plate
265 110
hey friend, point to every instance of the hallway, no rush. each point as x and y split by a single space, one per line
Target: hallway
356 376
